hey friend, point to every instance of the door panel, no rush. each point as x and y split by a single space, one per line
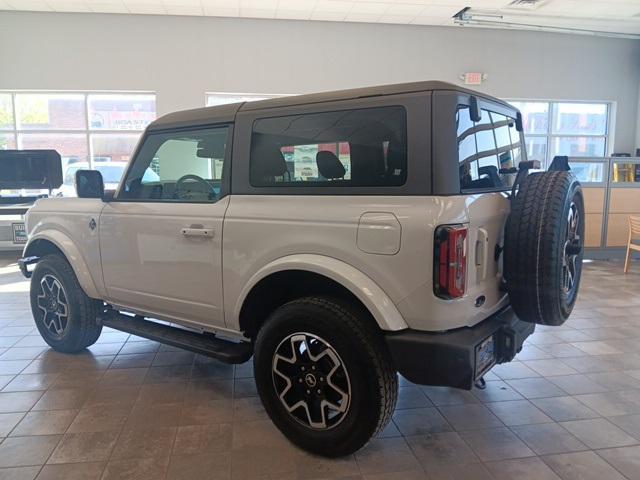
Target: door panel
149 264
160 238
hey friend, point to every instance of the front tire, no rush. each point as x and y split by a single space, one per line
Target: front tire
64 315
324 375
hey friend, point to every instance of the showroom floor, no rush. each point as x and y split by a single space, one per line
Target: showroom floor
130 408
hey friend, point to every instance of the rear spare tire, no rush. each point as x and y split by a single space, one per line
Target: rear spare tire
544 240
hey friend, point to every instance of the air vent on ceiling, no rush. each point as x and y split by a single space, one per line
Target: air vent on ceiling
526 4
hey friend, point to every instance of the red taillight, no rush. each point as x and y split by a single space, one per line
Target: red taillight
450 261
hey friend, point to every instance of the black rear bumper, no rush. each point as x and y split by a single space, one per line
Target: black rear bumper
449 358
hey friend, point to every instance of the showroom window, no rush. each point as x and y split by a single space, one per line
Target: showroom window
88 129
576 129
222 98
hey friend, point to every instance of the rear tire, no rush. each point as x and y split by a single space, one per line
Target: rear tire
65 316
314 350
544 239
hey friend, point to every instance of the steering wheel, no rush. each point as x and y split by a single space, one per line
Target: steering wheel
181 192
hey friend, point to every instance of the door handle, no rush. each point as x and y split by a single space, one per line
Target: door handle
197 232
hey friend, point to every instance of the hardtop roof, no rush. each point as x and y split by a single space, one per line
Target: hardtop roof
227 113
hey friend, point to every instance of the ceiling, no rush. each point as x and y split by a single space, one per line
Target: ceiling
613 16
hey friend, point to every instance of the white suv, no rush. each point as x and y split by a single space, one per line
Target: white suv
337 238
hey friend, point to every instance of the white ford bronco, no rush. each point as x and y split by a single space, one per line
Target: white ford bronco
336 238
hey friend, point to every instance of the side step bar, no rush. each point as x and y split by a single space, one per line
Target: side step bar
203 343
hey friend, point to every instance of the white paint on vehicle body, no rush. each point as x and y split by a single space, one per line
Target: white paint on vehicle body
379 247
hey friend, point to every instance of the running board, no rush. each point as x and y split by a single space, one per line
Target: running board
205 344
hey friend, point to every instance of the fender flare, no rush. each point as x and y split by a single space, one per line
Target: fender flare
72 254
383 310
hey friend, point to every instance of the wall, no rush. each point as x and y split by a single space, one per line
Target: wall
182 57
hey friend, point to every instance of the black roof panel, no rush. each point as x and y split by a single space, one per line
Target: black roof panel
226 113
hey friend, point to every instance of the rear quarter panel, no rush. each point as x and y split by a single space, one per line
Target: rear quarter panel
259 230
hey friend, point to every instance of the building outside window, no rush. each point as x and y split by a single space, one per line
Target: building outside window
222 98
88 129
576 129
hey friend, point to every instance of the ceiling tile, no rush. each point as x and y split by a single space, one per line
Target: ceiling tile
362 17
397 19
69 6
221 11
333 6
404 9
108 7
184 9
39 5
297 5
259 4
442 11
257 12
140 6
293 14
425 20
220 3
329 16
369 8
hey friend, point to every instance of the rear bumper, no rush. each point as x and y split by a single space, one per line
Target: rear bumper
449 358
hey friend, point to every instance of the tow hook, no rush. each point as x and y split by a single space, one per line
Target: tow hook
23 263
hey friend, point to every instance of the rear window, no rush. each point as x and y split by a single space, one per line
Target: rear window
365 147
488 150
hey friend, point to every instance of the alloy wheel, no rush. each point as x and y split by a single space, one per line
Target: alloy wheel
572 250
311 381
52 301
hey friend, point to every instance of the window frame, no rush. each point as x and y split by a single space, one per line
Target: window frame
225 180
549 136
417 107
87 131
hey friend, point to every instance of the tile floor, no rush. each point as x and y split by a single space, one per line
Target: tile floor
569 408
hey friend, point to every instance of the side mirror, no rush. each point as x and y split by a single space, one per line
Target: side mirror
108 195
89 184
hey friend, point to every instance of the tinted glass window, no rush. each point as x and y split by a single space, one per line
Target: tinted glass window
487 150
183 166
364 147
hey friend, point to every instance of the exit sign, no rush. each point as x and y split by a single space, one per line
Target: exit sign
473 78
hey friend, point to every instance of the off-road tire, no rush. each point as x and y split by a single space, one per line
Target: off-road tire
82 327
535 247
374 382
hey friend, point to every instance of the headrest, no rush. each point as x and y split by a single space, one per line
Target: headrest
269 162
329 166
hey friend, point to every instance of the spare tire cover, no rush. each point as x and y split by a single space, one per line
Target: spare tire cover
543 247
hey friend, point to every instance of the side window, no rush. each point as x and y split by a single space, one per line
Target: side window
365 147
487 150
182 166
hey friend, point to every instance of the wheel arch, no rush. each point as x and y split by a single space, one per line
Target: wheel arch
296 276
55 242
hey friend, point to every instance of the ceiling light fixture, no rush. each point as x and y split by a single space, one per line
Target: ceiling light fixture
479 18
